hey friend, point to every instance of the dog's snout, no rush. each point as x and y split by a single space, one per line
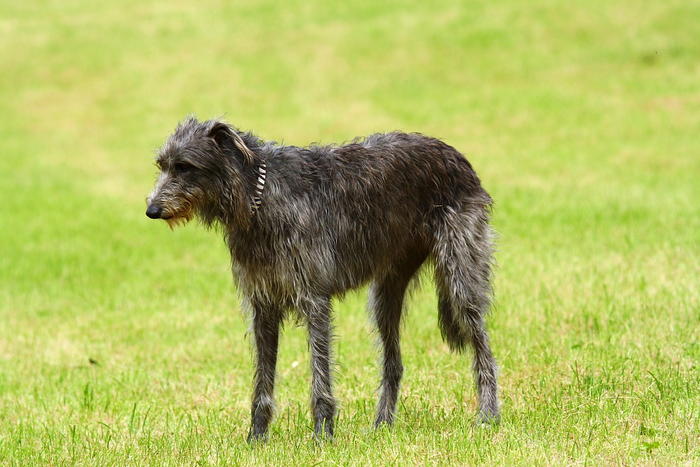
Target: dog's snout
154 212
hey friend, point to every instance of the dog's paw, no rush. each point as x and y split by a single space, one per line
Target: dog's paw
488 419
257 437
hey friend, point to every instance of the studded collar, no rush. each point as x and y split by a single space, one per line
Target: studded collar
259 187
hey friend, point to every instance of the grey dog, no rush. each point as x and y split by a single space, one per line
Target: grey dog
306 224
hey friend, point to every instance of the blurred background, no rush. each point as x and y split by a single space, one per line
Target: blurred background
581 118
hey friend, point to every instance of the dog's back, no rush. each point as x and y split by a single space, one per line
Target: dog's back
335 216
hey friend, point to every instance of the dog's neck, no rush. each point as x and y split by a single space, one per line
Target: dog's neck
259 187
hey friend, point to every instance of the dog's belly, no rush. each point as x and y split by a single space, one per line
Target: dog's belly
293 271
324 254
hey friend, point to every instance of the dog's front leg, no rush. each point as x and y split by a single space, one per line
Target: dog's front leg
318 314
266 325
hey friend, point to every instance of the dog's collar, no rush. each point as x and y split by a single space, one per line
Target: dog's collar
259 187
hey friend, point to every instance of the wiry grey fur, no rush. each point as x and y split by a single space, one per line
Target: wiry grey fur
331 219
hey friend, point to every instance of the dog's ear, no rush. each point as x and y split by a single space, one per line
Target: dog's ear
220 132
224 135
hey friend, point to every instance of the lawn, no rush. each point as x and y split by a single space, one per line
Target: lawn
123 343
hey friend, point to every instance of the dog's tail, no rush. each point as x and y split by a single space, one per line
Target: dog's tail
463 258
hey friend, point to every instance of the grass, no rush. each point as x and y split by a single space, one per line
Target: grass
123 343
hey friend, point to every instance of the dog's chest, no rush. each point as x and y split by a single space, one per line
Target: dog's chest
283 269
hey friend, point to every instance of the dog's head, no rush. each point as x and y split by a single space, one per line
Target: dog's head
203 171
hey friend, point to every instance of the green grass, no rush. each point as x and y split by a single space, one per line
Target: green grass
582 118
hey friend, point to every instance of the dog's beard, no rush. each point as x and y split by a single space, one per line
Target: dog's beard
177 221
180 218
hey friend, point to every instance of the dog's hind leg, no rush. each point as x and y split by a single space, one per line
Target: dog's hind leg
266 324
318 315
386 301
462 252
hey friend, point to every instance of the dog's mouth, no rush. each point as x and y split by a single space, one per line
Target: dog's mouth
178 219
173 215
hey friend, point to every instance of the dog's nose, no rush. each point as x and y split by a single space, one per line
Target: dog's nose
154 212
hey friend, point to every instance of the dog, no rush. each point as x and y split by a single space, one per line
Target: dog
306 224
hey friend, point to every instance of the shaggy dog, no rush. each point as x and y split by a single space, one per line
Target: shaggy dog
306 224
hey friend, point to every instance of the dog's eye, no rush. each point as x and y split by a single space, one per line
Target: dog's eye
182 167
